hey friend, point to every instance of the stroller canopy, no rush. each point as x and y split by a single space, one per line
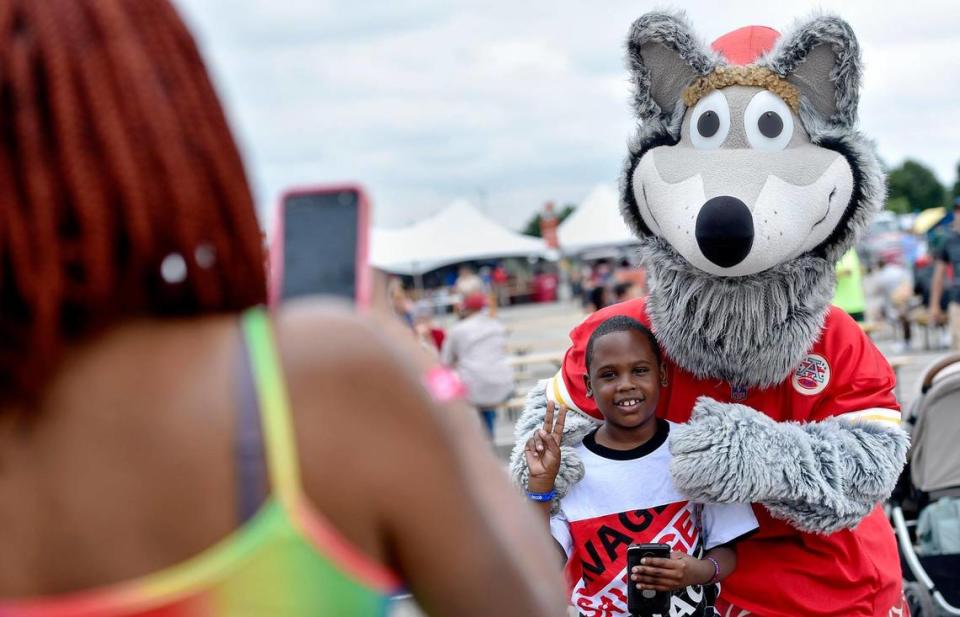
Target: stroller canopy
935 458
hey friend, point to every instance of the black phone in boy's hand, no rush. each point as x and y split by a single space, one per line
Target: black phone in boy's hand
646 602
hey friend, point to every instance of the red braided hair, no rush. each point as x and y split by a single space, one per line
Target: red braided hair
114 157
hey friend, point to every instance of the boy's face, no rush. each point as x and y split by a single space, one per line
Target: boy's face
624 378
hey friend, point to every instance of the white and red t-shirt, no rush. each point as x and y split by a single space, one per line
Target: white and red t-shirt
627 497
781 571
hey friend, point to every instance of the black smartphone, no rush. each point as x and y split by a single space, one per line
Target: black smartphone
320 244
647 602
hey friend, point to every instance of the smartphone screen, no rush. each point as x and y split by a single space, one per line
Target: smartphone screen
321 232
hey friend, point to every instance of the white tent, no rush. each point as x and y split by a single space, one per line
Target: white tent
596 223
457 233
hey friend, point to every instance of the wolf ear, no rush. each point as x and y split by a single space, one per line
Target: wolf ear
664 56
821 57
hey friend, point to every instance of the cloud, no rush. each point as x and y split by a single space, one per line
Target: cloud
512 104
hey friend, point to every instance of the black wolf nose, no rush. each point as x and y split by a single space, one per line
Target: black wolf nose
725 231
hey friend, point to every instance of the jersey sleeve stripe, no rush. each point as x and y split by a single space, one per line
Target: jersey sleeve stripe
876 414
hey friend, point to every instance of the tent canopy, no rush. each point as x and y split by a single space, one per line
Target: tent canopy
456 234
595 223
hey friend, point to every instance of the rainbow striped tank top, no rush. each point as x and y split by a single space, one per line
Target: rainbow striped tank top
287 561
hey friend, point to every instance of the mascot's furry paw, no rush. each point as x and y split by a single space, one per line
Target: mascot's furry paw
715 455
575 428
820 476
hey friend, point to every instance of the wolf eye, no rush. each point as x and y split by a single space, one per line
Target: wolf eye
708 124
768 122
710 121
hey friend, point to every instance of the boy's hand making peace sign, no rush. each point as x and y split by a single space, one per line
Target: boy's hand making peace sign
543 451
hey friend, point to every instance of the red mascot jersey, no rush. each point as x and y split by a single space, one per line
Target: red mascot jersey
781 571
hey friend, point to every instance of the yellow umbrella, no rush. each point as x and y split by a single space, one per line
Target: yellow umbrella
927 219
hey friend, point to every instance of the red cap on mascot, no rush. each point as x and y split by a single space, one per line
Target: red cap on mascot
745 45
742 46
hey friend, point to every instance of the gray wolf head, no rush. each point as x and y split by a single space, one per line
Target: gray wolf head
745 183
745 162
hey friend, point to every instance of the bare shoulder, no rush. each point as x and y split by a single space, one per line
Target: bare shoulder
324 345
357 397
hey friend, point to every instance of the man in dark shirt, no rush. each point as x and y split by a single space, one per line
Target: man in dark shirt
948 255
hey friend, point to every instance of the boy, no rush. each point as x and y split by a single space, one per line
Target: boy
626 496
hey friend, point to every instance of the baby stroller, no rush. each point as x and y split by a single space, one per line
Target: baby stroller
925 508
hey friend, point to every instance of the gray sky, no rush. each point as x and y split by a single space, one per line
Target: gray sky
510 104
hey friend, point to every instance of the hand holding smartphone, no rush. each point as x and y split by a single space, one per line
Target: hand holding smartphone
646 602
320 244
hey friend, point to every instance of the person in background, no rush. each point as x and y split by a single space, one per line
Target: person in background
947 257
912 247
600 292
849 294
168 446
429 334
576 282
501 289
476 348
468 282
923 270
486 275
400 302
449 278
598 298
630 281
545 284
602 273
622 291
586 287
891 287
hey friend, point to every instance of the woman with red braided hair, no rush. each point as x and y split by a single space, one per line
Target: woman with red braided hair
167 448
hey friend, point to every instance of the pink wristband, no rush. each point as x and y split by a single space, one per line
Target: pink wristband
444 385
716 571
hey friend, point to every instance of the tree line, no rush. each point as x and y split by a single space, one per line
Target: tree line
913 187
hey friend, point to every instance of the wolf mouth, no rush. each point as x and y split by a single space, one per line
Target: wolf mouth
829 205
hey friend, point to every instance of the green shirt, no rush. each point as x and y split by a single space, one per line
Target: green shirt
849 294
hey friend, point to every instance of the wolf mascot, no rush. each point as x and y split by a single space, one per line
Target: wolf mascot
745 183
